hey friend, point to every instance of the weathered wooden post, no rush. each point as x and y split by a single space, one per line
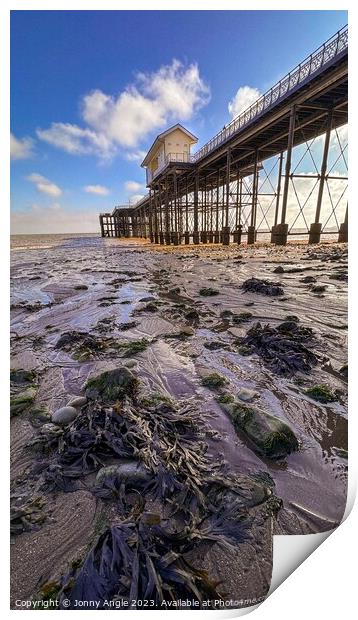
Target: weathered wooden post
316 226
251 230
226 227
278 193
282 228
343 229
217 232
196 209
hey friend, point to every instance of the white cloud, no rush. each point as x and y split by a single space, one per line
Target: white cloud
76 140
132 186
245 96
135 198
135 155
21 148
54 218
171 94
44 186
96 189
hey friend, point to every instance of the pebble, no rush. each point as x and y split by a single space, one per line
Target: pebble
64 415
187 331
247 395
78 401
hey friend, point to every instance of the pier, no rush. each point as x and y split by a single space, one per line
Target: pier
246 181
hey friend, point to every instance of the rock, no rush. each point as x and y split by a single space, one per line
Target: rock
208 292
271 436
264 287
192 315
81 287
279 269
64 415
318 288
247 395
21 401
133 471
22 377
50 428
213 380
187 331
78 401
344 370
112 385
131 364
321 393
237 332
242 317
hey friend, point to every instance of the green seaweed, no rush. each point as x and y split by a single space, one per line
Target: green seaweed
225 398
208 292
321 393
112 385
20 402
214 380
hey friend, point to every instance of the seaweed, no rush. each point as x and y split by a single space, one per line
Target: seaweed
264 287
285 349
208 292
214 380
321 393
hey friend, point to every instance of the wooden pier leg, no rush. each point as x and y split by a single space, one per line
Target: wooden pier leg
282 229
278 194
226 227
316 226
251 230
210 232
101 225
196 209
186 232
217 232
343 229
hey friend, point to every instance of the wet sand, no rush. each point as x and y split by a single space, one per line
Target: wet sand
73 286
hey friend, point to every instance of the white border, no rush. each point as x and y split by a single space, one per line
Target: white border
323 585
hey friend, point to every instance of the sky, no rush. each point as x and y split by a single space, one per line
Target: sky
90 91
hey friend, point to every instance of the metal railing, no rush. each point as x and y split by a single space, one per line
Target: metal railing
176 157
314 62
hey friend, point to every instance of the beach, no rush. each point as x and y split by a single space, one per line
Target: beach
221 335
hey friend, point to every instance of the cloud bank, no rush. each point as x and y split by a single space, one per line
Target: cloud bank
173 93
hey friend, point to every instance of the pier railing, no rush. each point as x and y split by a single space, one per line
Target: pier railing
315 62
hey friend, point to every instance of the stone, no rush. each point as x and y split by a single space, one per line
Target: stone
272 437
78 401
64 415
187 331
279 269
21 401
112 385
321 393
237 332
247 395
49 427
132 471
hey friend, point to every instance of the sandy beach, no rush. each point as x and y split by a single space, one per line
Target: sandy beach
221 336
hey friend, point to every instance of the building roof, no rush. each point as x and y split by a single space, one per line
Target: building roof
160 138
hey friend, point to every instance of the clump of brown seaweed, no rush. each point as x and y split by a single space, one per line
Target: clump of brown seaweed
285 349
264 287
146 450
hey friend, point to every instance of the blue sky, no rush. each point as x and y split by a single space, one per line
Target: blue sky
90 90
